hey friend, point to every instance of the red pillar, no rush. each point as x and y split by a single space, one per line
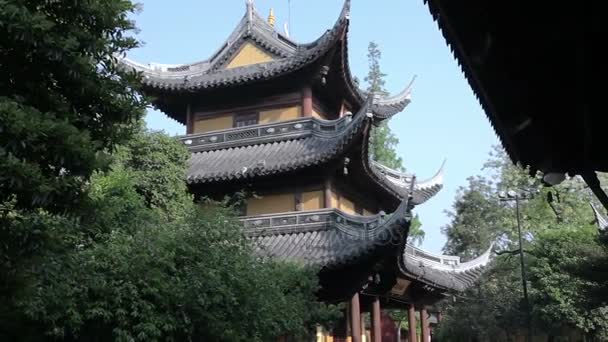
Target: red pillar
189 120
348 327
307 101
411 319
376 322
362 324
355 318
424 323
327 194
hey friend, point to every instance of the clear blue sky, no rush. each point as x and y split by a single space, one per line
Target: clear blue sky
444 120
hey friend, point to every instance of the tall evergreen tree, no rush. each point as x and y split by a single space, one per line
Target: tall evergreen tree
383 140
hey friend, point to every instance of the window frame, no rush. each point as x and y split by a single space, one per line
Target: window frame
244 117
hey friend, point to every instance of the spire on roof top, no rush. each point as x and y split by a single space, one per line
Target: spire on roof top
271 17
249 4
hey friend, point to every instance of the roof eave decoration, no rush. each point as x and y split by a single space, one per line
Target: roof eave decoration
442 271
602 222
386 107
208 73
327 237
400 182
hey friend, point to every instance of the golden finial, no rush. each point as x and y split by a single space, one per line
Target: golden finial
271 17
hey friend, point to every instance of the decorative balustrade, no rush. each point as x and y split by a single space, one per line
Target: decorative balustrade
353 227
301 221
436 259
400 178
260 133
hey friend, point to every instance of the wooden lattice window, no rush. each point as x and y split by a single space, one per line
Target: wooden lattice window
246 119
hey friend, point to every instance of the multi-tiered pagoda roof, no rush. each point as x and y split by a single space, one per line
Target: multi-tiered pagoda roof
331 148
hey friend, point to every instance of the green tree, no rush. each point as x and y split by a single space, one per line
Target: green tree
416 234
560 245
383 140
132 271
63 101
64 104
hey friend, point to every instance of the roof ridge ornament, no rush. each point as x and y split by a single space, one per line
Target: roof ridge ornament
386 105
271 17
436 179
346 10
249 4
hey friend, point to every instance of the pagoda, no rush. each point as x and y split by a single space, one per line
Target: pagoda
286 122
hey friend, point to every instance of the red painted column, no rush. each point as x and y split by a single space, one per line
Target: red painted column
189 120
307 101
376 322
347 318
362 323
355 318
327 194
411 319
424 323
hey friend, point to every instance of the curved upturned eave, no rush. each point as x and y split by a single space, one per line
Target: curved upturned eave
384 106
457 277
602 222
388 106
326 242
207 76
400 182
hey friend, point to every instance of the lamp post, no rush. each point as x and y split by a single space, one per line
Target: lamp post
515 196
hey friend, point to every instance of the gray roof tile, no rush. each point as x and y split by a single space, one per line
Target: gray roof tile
440 271
330 238
290 56
294 149
281 147
327 237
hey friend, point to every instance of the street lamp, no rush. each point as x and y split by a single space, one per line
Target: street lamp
512 195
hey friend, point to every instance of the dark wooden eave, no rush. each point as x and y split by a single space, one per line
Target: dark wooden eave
535 67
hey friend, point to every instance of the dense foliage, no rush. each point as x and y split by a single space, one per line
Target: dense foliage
564 260
131 269
383 140
63 101
100 239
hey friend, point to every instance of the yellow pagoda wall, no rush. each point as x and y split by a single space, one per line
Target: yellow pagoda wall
226 120
213 124
346 204
280 114
313 200
271 204
247 55
309 200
